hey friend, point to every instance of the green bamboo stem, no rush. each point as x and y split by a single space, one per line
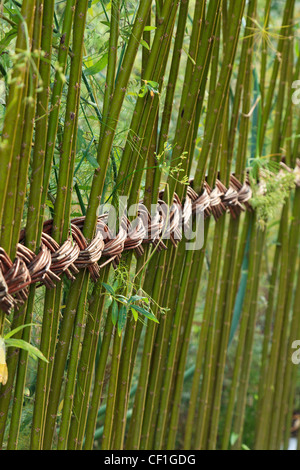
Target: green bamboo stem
99 432
116 104
134 432
174 279
188 111
136 422
10 146
211 129
268 328
245 73
128 352
282 89
71 375
206 326
112 61
222 85
161 423
37 168
291 373
201 430
63 199
243 77
199 21
206 392
7 242
56 97
12 363
264 54
25 158
288 393
280 319
279 405
248 349
158 367
97 187
62 346
27 136
167 112
210 303
245 319
86 365
16 94
262 432
128 341
186 324
98 385
161 339
144 107
191 293
267 336
284 34
54 333
28 128
123 386
112 389
109 88
146 140
196 79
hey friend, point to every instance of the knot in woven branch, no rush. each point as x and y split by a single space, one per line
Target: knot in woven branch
53 260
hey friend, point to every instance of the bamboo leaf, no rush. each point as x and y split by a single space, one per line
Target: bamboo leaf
145 44
32 350
98 66
16 330
135 314
122 318
108 288
146 313
115 312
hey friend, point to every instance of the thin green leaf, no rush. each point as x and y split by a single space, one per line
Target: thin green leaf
146 313
108 288
16 330
145 44
98 66
122 318
32 350
115 312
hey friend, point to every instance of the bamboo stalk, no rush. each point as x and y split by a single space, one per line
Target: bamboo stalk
90 221
87 364
15 97
24 41
72 368
109 88
98 385
248 347
188 111
245 320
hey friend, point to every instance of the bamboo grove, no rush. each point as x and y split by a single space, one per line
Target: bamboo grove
156 347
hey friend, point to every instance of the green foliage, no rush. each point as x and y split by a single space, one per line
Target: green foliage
34 352
121 305
271 192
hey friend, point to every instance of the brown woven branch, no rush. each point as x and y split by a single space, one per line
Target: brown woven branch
47 267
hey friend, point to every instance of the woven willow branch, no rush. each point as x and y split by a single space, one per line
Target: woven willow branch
47 267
